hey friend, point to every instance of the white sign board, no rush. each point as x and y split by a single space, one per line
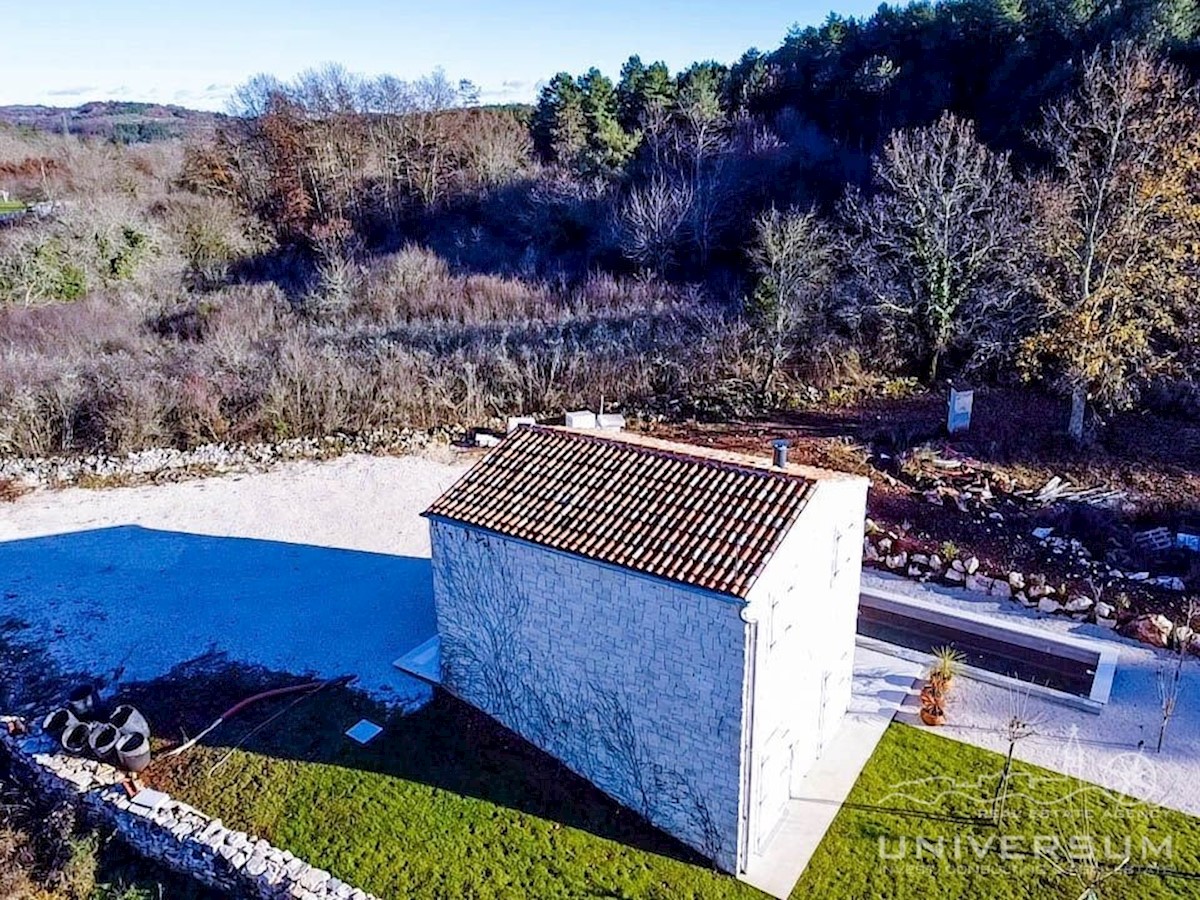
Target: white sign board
959 415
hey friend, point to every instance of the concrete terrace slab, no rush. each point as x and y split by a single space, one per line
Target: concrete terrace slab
424 661
882 684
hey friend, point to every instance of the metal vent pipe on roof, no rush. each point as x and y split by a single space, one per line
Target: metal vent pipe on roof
781 451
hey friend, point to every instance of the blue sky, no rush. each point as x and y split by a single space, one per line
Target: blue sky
65 52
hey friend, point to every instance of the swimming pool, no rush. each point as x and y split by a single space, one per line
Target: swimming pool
997 650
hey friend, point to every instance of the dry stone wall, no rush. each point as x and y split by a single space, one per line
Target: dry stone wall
169 463
176 835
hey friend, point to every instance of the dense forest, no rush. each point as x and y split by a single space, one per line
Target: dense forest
992 190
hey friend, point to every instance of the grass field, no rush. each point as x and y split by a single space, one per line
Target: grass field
444 803
920 785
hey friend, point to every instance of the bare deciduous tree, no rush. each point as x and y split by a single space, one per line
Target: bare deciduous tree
1170 675
938 246
1021 723
332 145
1116 279
792 256
652 219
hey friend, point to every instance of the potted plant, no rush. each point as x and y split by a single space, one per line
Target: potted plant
946 664
933 704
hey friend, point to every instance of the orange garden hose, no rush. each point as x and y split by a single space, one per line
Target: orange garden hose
265 695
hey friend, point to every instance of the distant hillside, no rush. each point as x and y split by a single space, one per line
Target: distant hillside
120 121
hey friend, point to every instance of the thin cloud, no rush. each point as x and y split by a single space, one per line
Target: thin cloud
509 91
73 91
216 93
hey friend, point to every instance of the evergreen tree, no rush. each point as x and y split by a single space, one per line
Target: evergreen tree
643 90
560 126
609 146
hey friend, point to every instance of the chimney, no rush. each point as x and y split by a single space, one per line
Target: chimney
781 449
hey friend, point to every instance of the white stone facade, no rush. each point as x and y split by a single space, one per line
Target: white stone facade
802 613
633 682
654 690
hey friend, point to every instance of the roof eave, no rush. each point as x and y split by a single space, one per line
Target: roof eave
740 599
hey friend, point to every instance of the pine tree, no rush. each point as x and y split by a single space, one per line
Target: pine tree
609 146
560 127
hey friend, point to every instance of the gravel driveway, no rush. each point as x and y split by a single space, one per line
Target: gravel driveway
311 567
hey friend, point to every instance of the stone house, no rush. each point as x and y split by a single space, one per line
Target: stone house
675 624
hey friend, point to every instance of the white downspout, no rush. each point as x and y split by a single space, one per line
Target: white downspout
745 805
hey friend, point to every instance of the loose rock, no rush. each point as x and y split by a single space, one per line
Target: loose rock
1154 630
1079 604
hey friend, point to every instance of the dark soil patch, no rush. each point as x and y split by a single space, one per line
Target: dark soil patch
1018 436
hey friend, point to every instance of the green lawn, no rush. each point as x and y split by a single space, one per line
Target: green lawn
445 804
894 803
442 804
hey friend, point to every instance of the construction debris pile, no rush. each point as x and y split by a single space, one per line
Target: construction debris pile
942 477
1097 570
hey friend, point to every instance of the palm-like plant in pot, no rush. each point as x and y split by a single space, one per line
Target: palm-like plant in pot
947 663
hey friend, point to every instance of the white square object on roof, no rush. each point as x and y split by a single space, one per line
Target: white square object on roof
364 732
582 418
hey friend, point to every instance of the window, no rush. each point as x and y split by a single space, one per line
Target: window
845 544
837 556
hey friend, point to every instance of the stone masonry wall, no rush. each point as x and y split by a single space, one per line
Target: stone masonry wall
175 835
633 682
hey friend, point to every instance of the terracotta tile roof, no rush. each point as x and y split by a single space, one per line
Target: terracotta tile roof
699 517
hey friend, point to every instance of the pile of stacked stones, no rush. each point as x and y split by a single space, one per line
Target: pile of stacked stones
889 550
169 463
1097 571
171 833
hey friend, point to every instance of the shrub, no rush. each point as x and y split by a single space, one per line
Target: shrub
162 346
76 878
11 490
32 271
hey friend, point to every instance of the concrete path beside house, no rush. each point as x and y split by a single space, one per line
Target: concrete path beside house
881 686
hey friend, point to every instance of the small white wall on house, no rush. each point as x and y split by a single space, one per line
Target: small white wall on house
805 604
633 682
